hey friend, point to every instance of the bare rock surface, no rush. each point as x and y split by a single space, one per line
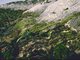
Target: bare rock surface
60 9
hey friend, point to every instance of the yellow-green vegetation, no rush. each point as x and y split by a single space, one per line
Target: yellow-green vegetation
27 20
33 40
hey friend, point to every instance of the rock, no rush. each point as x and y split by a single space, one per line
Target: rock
74 24
60 9
39 8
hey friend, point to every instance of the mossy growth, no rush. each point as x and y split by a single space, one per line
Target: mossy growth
56 39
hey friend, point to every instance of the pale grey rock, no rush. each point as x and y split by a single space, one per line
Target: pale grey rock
37 8
60 9
74 23
40 7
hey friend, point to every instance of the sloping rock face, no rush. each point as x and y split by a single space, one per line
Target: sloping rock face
40 7
37 8
60 9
